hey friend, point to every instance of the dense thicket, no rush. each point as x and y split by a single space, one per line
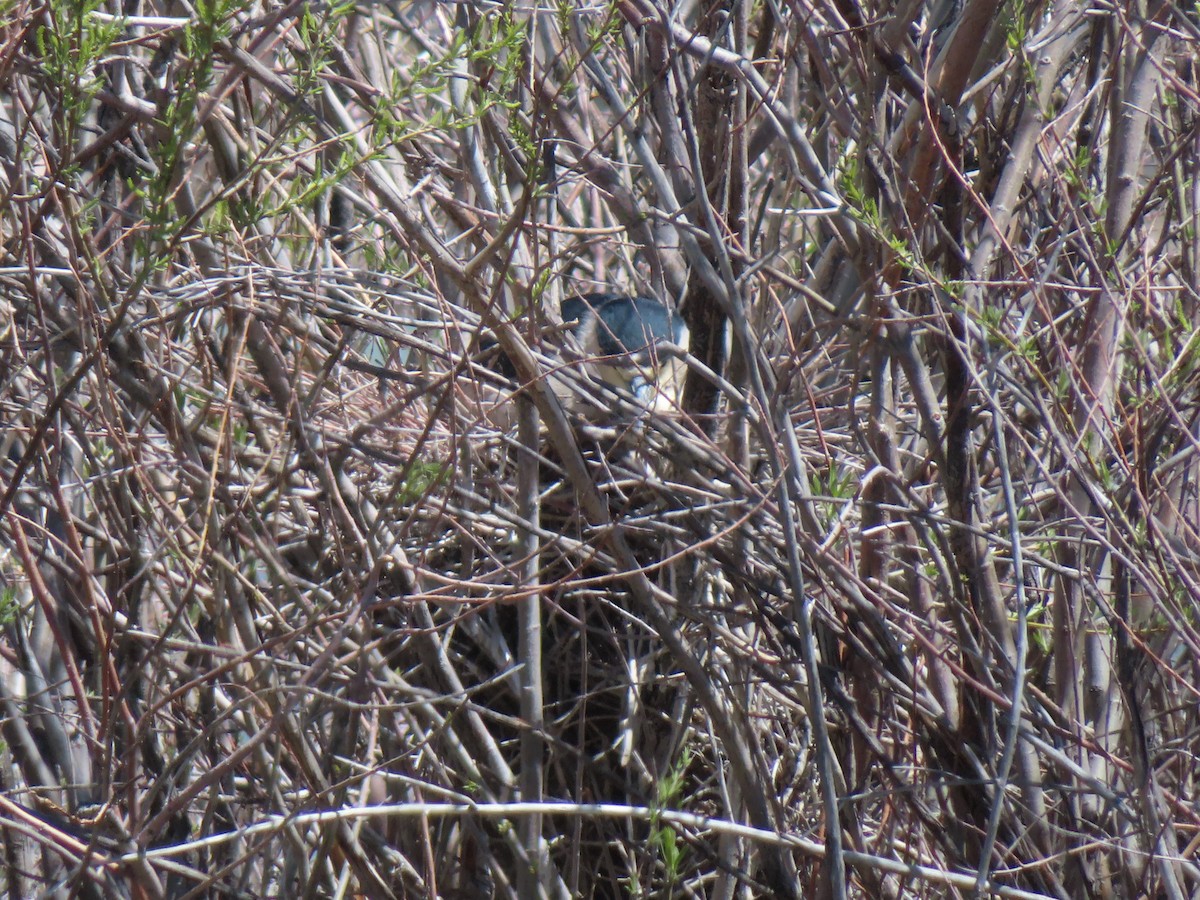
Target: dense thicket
302 598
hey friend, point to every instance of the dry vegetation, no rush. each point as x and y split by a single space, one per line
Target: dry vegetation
299 598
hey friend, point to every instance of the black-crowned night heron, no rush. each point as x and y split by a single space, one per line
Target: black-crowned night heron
635 343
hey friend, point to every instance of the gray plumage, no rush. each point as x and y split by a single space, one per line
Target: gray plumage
633 343
633 340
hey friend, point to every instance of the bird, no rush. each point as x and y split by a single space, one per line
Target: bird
636 343
633 343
